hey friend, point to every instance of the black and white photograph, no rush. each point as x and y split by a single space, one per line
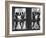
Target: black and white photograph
25 18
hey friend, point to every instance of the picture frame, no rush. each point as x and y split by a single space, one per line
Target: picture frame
9 7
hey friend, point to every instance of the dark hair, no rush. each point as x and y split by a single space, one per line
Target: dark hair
17 13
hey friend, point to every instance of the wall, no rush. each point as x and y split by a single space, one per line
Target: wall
2 18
